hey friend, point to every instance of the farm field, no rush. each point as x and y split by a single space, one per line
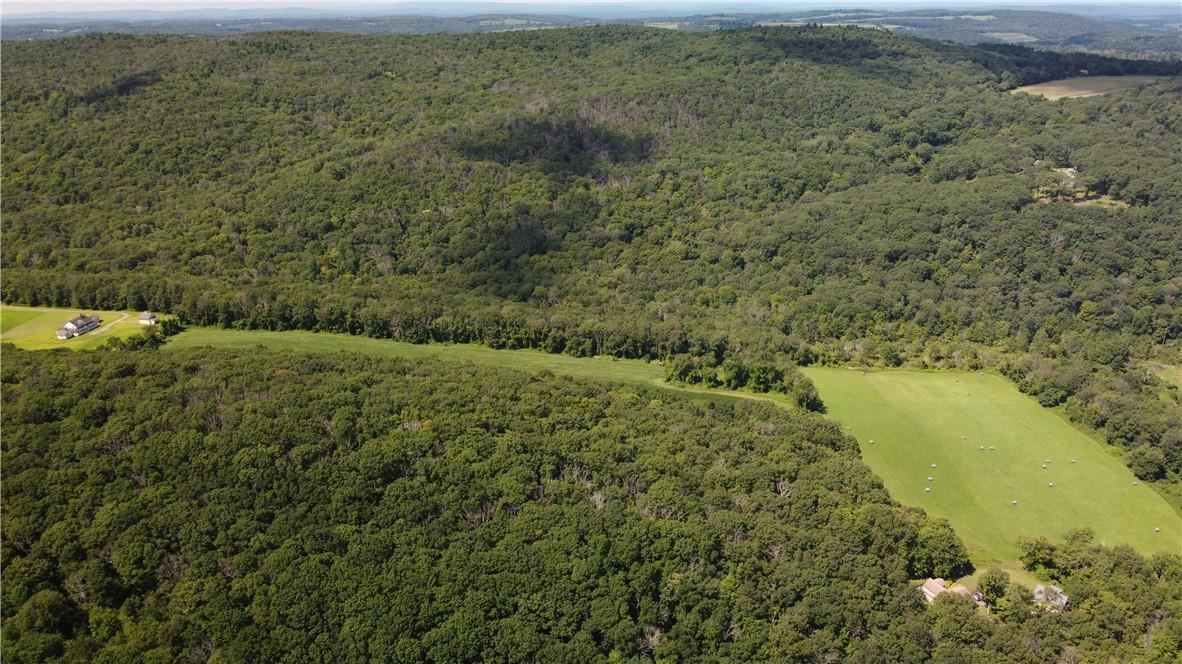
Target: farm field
1084 86
989 444
1013 37
35 328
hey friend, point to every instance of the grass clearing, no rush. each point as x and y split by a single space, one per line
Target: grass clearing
1012 37
917 419
11 317
1084 86
1170 373
35 328
635 372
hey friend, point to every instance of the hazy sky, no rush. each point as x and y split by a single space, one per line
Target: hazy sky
101 5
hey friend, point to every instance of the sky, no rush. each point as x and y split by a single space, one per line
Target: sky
24 6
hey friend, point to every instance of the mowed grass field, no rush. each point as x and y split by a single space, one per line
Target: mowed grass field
636 372
916 419
1084 86
35 328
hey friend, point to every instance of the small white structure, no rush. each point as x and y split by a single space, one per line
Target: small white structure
928 489
1050 484
930 478
1013 502
148 318
933 465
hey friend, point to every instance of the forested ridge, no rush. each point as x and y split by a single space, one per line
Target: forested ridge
751 196
271 506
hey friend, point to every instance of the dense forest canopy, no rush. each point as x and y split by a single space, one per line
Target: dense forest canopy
810 194
273 506
1143 31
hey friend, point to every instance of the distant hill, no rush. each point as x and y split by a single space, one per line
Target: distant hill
1144 30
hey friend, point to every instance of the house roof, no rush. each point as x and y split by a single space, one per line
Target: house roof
1050 596
932 587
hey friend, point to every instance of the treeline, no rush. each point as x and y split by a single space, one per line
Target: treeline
273 506
1025 65
411 317
737 373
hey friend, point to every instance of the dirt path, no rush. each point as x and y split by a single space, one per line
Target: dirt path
104 328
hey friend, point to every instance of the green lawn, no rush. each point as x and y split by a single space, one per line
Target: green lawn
35 328
637 372
11 317
916 419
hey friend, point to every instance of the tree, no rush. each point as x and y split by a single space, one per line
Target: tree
939 552
1037 554
1148 463
993 584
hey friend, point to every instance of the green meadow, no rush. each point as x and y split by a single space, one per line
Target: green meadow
635 372
989 444
35 328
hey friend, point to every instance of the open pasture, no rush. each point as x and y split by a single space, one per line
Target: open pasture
986 445
35 328
1084 86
